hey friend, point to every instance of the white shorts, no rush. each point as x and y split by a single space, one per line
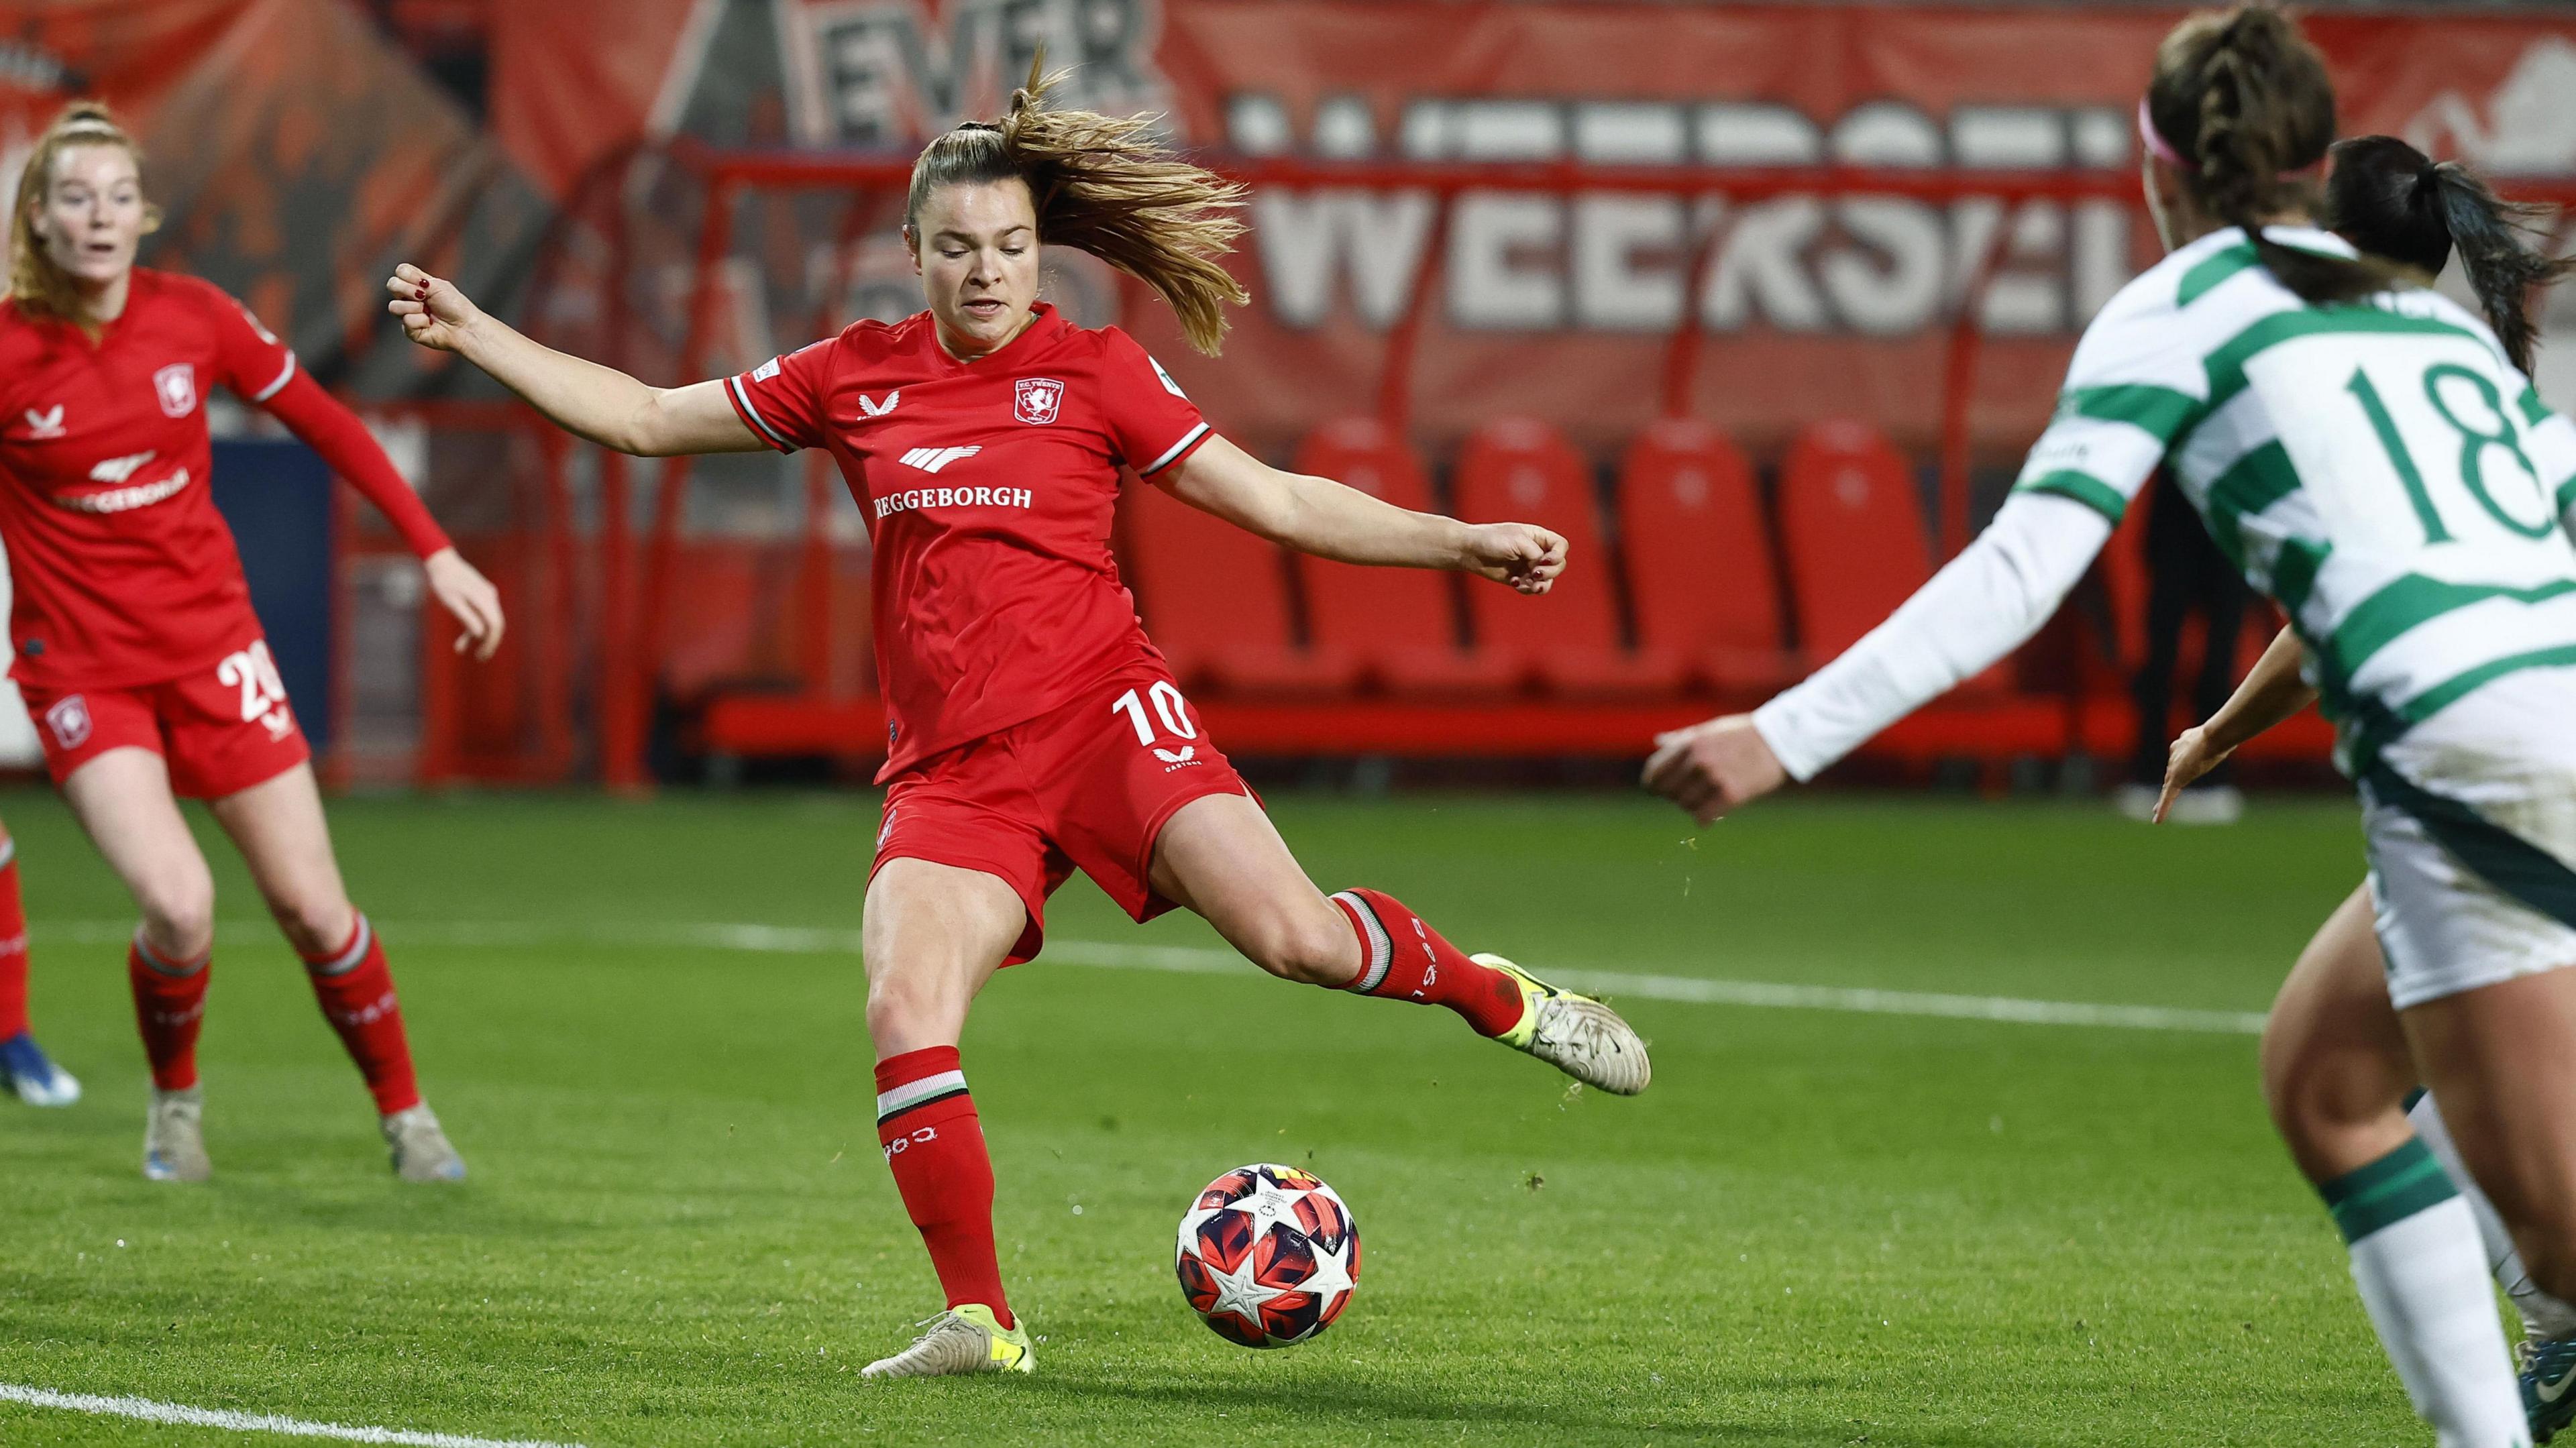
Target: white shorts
2471 822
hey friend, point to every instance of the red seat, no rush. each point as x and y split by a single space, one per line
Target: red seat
1521 470
1699 559
1851 528
1214 598
1394 626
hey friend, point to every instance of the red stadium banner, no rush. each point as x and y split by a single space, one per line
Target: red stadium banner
1553 305
296 150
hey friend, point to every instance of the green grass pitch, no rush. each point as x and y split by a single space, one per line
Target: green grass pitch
1817 1228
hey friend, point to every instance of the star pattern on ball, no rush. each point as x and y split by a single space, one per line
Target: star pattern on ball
1332 1274
1240 1292
1269 1203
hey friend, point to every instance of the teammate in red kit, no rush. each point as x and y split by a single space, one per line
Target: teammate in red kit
1034 731
134 640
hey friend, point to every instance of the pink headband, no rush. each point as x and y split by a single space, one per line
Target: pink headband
2163 150
2157 145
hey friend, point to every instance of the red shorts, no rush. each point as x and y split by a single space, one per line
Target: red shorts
1086 786
221 729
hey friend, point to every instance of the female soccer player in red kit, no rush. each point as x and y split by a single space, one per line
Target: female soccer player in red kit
1033 729
134 641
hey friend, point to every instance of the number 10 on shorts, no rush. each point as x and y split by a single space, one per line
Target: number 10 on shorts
1170 709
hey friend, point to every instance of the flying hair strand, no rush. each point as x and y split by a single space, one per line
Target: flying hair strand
1106 185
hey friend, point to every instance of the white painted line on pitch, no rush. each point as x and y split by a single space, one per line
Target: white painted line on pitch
1697 990
148 1411
1201 960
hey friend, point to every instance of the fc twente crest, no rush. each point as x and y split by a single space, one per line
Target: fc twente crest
1037 399
177 384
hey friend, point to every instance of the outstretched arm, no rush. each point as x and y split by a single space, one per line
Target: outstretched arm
1332 520
2271 693
599 403
1986 603
353 453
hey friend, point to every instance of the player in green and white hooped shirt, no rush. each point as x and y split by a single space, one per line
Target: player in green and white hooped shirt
2394 202
2373 462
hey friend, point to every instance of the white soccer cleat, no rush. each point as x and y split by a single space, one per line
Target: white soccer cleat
421 1151
174 1138
1575 1033
965 1339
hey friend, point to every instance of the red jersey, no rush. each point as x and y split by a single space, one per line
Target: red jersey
988 488
123 572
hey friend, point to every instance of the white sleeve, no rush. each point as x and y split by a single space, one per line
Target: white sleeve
1986 603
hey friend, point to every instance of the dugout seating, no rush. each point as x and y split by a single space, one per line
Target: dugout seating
1706 595
1852 533
1727 600
1568 639
1215 599
1393 628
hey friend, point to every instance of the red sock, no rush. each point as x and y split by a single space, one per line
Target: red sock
13 945
169 1005
357 995
926 1123
1404 959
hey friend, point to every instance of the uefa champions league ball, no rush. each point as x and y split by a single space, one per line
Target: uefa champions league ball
1268 1256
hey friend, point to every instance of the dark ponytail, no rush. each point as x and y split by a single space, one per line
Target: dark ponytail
2502 266
2392 200
2245 97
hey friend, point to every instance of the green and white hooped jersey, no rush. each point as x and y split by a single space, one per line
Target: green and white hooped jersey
2380 470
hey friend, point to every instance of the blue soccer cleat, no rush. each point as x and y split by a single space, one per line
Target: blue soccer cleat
27 1070
2549 1385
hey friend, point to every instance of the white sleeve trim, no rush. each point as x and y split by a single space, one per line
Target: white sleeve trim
1986 603
284 375
742 394
1175 450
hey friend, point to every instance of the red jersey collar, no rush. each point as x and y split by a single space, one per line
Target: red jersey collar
1045 323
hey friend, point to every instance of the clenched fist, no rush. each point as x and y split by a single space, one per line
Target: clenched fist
1523 555
1714 767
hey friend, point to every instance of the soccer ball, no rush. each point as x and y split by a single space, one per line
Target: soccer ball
1268 1256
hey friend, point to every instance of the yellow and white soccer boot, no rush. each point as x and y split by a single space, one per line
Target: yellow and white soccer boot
1574 1033
964 1339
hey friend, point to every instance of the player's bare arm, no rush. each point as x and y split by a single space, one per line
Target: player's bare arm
1333 520
2270 694
600 404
